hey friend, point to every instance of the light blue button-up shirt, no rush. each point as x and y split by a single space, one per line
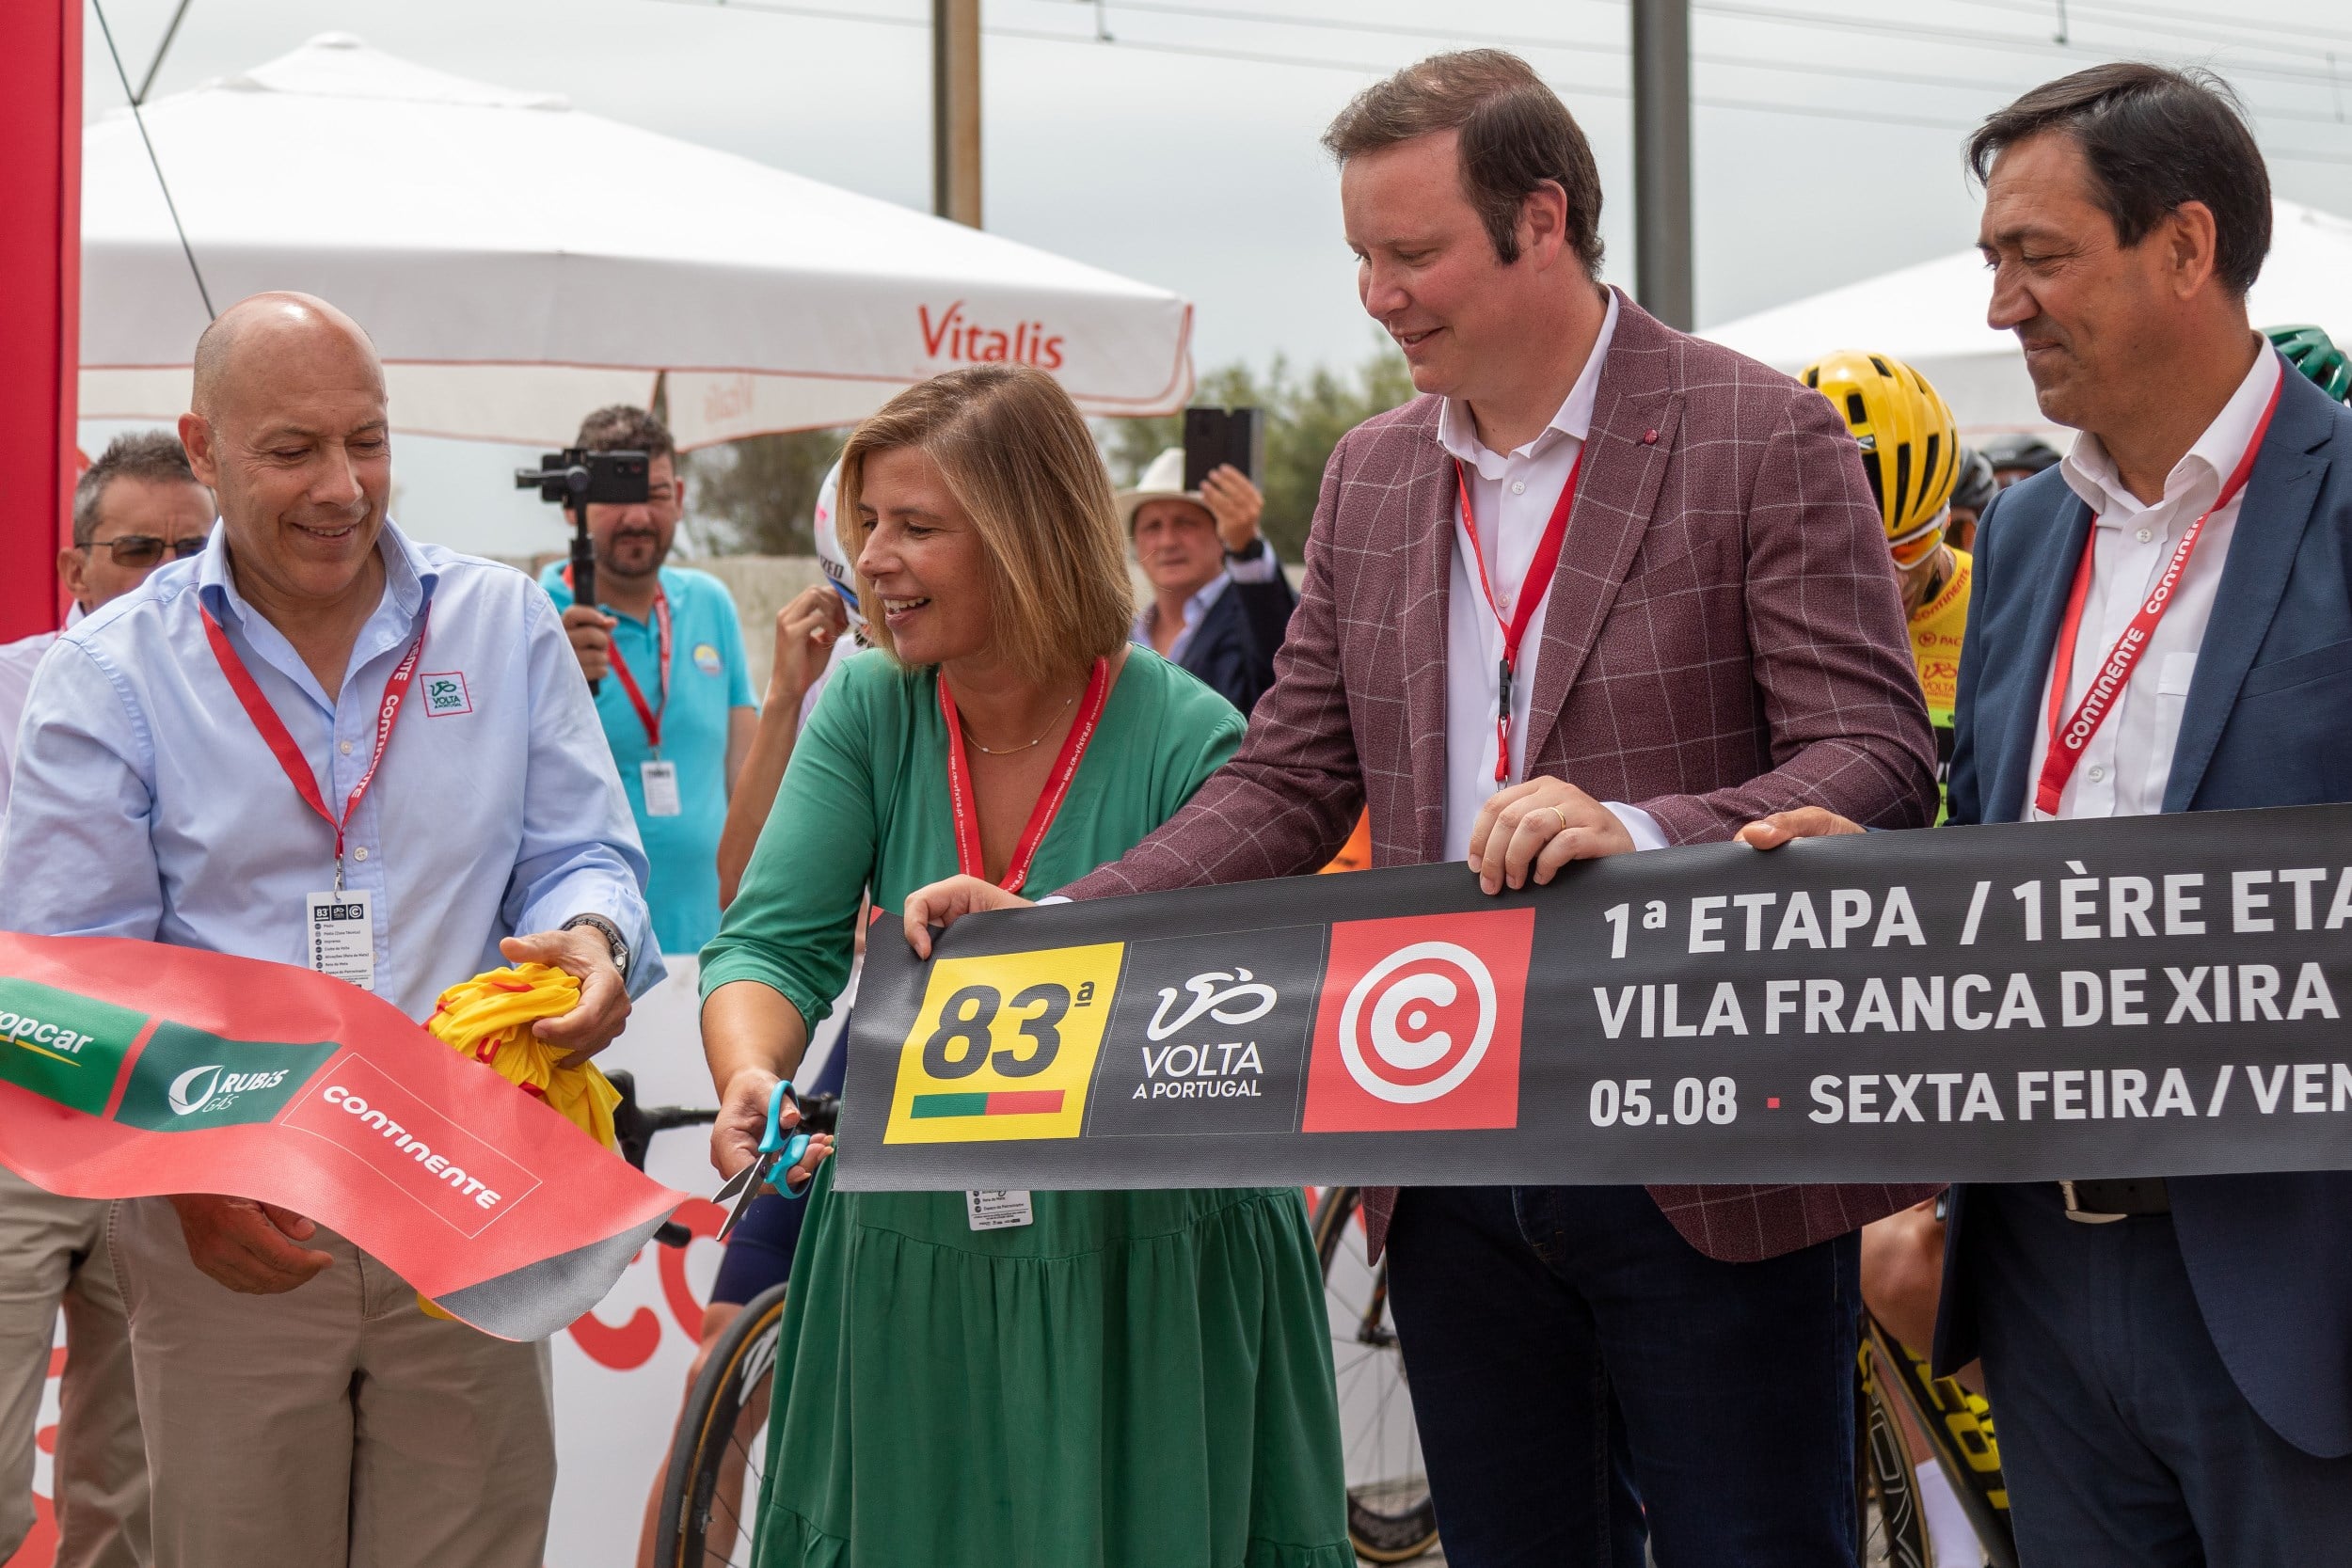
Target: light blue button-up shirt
146 804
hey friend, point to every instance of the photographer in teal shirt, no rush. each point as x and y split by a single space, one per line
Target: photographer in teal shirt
673 689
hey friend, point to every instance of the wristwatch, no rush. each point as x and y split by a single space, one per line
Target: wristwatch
611 934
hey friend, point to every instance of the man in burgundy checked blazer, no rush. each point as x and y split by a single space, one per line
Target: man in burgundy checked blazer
1722 638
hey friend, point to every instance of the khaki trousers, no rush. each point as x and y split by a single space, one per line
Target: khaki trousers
53 1254
334 1426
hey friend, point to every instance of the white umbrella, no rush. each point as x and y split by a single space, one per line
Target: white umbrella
1932 316
498 246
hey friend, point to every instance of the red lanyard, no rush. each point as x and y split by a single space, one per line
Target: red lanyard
1532 591
968 857
649 716
2069 740
282 745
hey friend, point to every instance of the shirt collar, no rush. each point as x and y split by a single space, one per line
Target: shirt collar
1193 608
409 578
1458 434
2199 474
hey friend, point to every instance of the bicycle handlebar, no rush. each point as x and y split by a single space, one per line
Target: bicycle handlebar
634 1125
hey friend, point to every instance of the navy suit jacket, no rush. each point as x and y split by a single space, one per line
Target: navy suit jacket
2267 723
1232 650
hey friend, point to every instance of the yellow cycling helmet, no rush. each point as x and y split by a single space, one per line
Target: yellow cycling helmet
1910 444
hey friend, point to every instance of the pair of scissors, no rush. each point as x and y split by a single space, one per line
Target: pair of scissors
776 1147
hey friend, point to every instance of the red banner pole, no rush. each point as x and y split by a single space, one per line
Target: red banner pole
41 279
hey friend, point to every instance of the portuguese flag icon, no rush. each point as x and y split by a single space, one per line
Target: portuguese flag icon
996 1102
134 1069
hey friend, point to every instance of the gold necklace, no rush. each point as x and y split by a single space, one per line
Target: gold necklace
1026 745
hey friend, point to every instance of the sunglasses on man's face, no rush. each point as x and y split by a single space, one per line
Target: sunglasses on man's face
140 550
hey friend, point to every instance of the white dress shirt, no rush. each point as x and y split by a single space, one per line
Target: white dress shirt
2124 767
18 661
1513 495
1197 608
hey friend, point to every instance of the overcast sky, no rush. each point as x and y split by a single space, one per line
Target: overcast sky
1183 152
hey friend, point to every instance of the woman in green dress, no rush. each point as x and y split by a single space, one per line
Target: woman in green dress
1133 1379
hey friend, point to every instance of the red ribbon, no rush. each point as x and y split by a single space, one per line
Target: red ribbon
282 744
2068 741
649 716
1538 578
968 857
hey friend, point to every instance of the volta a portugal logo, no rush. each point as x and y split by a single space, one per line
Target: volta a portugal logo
1418 1027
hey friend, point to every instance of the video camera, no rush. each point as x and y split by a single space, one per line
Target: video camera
575 479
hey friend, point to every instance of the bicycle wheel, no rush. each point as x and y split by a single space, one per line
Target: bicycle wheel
1894 1530
1390 1515
1957 1426
710 1492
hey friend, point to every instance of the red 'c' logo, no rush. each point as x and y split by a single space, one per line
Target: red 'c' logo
1417 1025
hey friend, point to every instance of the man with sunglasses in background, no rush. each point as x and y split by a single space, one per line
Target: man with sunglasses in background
135 508
138 507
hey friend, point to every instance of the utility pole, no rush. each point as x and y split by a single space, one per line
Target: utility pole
956 110
1662 160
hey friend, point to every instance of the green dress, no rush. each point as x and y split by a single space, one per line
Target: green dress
1138 1379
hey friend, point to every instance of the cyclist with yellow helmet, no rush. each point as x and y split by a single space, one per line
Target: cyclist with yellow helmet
1911 452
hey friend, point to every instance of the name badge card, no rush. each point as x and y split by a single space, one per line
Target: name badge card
999 1210
661 782
342 940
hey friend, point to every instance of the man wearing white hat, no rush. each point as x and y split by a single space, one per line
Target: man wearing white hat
1219 600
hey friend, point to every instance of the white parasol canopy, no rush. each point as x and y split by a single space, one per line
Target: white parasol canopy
1932 316
496 246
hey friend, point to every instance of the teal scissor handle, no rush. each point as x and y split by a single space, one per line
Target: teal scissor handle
788 1149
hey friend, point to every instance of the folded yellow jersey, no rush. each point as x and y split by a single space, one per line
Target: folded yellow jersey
489 1018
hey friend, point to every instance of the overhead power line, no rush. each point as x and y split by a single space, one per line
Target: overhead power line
1523 40
2137 15
1589 89
147 83
1973 38
164 185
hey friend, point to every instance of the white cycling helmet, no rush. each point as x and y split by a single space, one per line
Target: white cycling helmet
829 554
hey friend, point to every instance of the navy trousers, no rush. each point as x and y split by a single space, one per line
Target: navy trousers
2124 1440
1585 1378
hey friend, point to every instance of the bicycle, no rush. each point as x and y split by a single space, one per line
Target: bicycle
716 1460
717 1457
1958 1428
1390 1518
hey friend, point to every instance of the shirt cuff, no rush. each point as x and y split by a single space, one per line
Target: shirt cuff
1639 825
1258 564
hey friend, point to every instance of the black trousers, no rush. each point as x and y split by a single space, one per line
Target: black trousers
1584 1377
2123 1441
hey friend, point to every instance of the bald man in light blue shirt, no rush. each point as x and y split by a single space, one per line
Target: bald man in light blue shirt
187 753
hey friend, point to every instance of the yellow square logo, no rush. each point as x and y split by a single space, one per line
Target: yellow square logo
1004 1047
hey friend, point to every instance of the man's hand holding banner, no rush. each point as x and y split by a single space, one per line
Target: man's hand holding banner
130 1068
2155 995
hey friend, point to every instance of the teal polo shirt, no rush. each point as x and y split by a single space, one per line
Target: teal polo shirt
708 678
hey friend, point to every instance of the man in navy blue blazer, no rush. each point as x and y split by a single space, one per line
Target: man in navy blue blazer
1219 604
2169 1362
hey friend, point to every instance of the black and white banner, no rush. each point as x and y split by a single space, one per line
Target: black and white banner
2145 996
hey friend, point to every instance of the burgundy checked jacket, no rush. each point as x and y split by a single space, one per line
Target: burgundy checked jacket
1724 641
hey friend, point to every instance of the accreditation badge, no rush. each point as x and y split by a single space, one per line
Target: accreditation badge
342 935
662 792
